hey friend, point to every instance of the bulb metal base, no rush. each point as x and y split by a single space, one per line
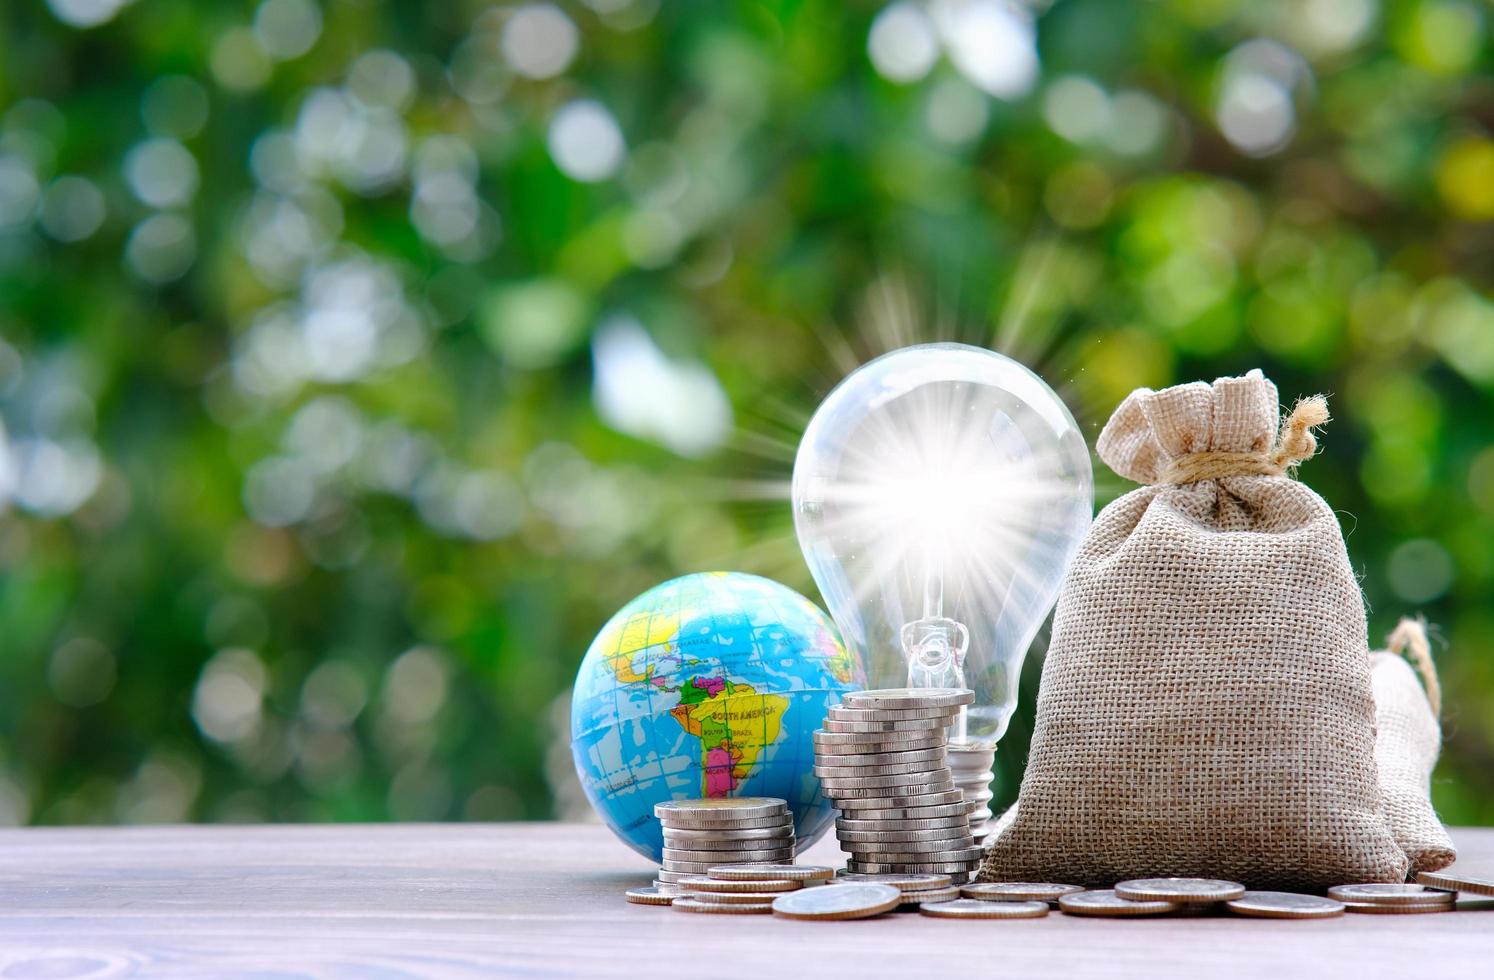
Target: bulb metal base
973 767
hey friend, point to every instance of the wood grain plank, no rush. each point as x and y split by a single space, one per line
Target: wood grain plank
394 901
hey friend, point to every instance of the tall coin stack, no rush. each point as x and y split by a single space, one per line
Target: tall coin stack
881 760
972 764
704 834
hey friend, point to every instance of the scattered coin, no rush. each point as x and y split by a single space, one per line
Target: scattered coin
671 877
930 895
702 883
968 908
695 905
760 872
1388 894
1181 890
649 896
1018 891
667 887
1104 902
1453 880
905 882
734 898
1380 908
909 697
847 901
1284 905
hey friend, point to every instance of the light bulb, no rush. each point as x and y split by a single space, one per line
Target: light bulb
939 494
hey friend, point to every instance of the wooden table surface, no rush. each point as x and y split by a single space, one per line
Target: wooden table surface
471 900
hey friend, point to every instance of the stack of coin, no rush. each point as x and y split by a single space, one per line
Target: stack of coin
971 764
703 834
881 760
733 889
1394 899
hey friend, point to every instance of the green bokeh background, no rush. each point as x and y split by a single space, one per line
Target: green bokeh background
237 587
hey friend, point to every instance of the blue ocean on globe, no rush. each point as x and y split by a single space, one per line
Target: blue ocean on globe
708 685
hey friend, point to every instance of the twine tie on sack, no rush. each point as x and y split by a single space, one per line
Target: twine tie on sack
1409 639
1294 443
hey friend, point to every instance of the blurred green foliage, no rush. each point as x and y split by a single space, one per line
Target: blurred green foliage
360 358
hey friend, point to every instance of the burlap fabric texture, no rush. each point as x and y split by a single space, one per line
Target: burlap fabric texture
1205 707
1407 740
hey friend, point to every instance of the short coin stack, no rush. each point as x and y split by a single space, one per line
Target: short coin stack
881 760
703 834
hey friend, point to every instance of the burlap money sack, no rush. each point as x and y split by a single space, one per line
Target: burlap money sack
1407 740
1205 707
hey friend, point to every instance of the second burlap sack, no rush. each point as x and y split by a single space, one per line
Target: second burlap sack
1408 738
1206 707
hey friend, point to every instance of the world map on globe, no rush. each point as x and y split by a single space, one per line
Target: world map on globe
708 685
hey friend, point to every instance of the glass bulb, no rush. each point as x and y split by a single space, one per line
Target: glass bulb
939 494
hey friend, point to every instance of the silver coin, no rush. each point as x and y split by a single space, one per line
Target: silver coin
909 697
705 883
906 882
894 792
909 867
735 898
649 896
732 824
884 769
852 743
966 908
1381 908
929 896
1018 891
914 852
672 877
1104 902
849 760
890 779
1285 905
1455 879
890 714
902 836
695 905
759 872
679 837
665 886
937 812
883 727
904 825
847 901
902 804
718 809
1184 891
682 866
673 857
1397 894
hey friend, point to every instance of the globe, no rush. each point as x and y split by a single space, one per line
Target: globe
708 685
